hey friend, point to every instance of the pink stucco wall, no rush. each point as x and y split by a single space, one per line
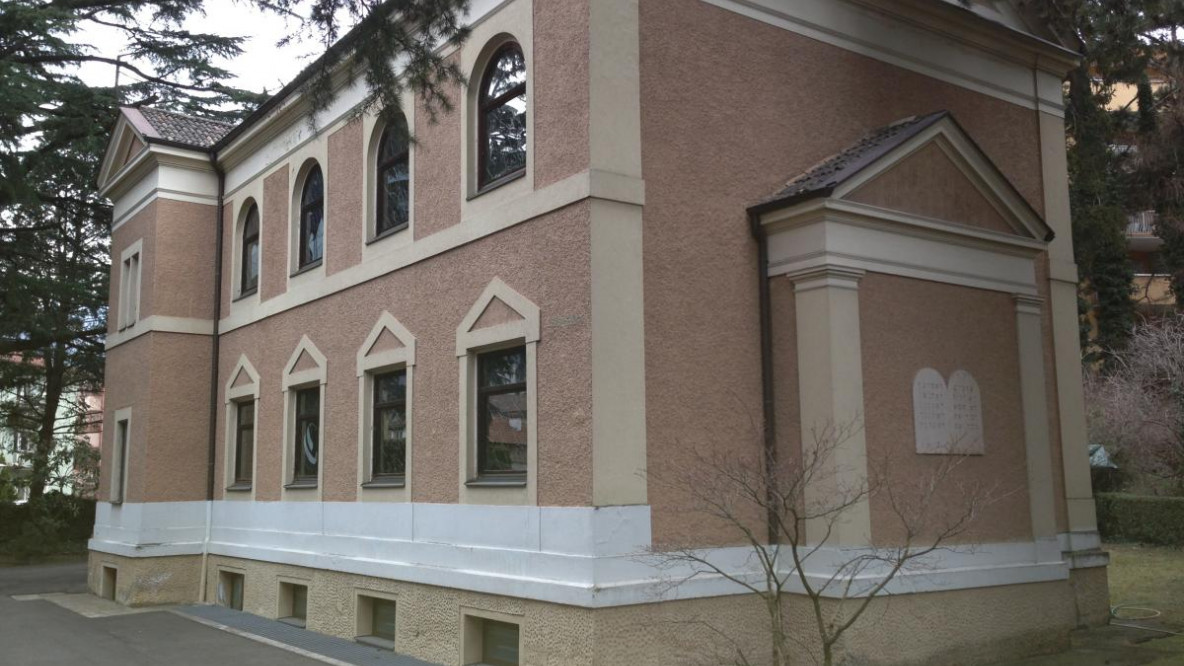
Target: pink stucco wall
545 259
731 109
345 193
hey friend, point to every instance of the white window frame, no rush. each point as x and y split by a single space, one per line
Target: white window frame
369 365
470 343
131 268
293 381
117 494
237 250
372 128
513 22
314 152
234 397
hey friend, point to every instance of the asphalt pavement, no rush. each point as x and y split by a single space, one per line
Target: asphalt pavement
38 632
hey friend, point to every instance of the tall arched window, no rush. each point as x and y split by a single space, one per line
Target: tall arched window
312 218
393 178
249 280
501 117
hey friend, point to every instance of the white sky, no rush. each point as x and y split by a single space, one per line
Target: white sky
262 65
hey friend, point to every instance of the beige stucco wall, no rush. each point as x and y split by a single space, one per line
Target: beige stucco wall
912 324
965 626
546 260
560 87
148 581
126 377
707 156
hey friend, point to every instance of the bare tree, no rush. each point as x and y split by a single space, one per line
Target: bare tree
785 514
1137 405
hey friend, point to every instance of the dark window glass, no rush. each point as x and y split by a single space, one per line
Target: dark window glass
389 454
121 457
300 602
308 433
499 643
250 258
501 117
501 413
244 453
393 180
383 619
312 218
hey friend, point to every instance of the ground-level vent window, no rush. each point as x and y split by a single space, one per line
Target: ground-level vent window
293 603
499 643
376 621
230 589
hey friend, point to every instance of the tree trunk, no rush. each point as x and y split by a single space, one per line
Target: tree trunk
54 383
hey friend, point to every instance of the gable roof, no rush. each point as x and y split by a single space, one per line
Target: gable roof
177 129
838 175
823 178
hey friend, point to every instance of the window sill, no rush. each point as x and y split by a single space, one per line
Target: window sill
388 233
375 642
497 482
301 485
392 482
245 295
308 268
493 185
294 621
238 488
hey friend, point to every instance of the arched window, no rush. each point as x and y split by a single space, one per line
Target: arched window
501 117
312 218
249 280
393 178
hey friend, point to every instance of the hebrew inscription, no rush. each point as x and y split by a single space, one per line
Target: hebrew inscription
947 418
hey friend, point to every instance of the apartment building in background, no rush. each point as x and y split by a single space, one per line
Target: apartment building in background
417 393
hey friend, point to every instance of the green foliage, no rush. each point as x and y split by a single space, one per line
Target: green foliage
50 525
1142 518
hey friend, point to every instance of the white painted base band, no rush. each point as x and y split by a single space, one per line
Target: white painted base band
1083 550
583 556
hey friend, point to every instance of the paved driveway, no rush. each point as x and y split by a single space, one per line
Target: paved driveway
40 632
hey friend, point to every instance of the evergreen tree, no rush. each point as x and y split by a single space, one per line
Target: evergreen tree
54 129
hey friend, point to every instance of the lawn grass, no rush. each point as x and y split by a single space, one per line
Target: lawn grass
1150 577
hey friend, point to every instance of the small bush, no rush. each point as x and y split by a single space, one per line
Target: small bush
51 525
1143 518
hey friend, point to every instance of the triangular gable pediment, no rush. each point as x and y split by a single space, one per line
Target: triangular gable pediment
305 362
924 171
941 174
389 343
127 141
495 314
244 380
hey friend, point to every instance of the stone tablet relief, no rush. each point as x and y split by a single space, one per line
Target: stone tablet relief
947 418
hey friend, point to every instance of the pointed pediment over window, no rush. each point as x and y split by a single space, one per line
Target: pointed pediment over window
499 314
244 380
924 169
389 343
305 365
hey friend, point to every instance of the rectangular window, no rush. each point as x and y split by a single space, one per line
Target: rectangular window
376 621
389 444
307 435
129 288
499 643
230 589
119 470
501 413
244 444
293 603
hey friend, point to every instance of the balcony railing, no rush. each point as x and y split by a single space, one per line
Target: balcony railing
1141 223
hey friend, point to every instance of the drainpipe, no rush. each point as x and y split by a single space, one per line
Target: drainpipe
214 349
768 420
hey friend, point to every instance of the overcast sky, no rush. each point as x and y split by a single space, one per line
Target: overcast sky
262 65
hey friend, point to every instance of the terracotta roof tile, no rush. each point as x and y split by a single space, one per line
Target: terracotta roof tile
184 129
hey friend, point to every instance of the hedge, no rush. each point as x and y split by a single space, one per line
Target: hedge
51 525
1143 518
